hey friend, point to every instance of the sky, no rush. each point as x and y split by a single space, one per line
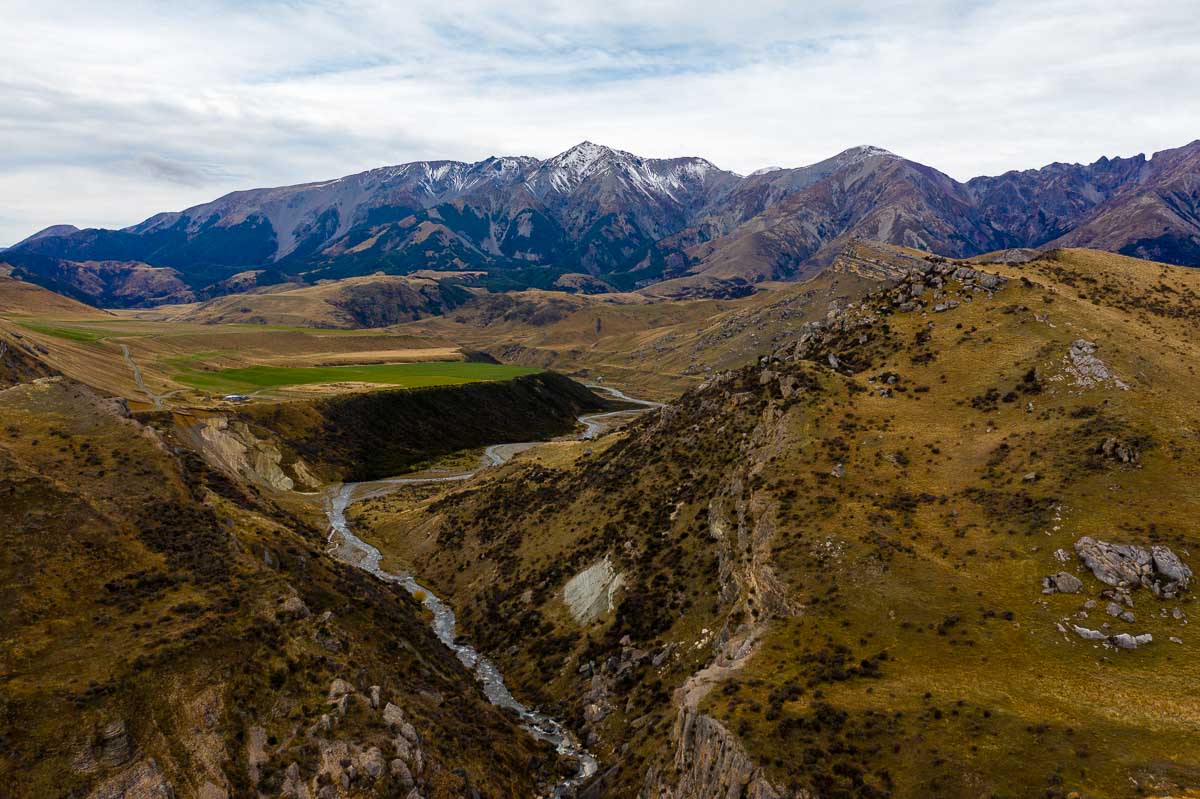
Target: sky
114 111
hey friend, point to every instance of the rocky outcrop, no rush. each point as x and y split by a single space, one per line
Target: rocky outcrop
709 763
1086 370
1128 566
143 780
348 768
1117 450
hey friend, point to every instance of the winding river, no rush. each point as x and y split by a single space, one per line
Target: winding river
352 549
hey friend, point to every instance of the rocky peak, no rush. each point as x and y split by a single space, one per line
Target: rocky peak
861 153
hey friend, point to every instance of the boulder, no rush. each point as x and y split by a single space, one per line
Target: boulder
1061 583
373 763
295 608
393 716
1127 641
1168 564
1090 635
339 688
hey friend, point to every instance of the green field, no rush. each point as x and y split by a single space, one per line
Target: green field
69 333
410 375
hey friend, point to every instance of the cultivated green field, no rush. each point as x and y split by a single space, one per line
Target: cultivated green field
411 375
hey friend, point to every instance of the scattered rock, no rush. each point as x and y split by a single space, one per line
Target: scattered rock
1090 635
376 695
1117 450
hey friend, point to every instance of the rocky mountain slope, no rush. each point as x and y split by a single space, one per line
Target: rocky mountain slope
629 220
939 542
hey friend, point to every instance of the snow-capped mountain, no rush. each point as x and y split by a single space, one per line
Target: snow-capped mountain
630 219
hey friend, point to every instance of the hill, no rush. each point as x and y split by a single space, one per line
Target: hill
360 302
867 565
18 298
623 220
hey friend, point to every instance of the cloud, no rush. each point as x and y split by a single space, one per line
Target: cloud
113 113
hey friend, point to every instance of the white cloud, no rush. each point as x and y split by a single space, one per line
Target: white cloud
115 111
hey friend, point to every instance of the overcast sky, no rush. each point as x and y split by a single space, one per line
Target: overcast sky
113 111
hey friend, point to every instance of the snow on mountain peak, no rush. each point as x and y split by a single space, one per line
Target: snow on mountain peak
862 153
579 158
766 170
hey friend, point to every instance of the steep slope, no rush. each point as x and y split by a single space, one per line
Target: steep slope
169 631
861 567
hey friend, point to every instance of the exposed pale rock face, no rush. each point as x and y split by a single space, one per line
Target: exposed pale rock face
231 445
590 594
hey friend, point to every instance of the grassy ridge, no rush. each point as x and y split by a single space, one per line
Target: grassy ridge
409 375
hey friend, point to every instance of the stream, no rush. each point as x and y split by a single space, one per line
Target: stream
357 552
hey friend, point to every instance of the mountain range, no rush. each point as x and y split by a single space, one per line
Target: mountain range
622 220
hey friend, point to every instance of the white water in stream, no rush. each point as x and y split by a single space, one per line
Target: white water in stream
367 557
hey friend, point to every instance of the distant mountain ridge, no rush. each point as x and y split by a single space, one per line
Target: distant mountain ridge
628 220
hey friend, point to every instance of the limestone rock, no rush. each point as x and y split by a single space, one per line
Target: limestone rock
1062 583
1129 566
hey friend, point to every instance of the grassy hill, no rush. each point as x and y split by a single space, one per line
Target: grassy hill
357 302
831 562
